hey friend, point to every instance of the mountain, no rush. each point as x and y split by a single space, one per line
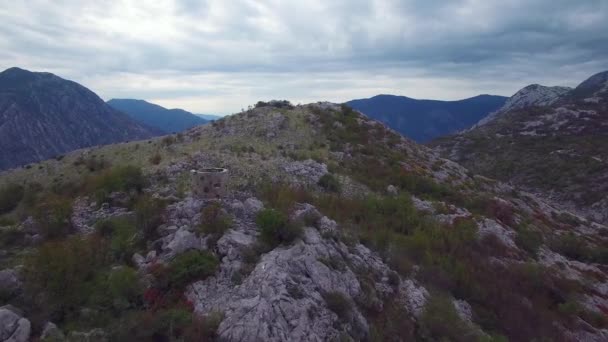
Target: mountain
556 145
43 115
324 225
424 120
532 95
167 120
209 117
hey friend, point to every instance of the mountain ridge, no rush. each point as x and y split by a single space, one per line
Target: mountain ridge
43 115
557 149
423 120
167 120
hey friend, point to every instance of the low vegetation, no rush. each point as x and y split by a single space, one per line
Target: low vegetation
275 228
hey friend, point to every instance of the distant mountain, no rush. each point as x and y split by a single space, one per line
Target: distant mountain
43 115
209 117
167 120
424 120
550 140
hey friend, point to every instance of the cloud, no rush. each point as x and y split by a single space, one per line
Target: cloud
219 56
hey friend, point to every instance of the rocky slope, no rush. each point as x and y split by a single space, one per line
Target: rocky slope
552 142
333 227
530 96
152 115
424 120
42 116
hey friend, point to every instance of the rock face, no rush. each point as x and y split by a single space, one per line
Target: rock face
532 95
42 115
13 327
547 140
290 295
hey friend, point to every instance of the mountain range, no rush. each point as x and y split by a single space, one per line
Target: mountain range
550 140
166 120
43 115
424 120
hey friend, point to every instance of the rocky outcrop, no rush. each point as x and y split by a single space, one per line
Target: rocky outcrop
308 291
13 327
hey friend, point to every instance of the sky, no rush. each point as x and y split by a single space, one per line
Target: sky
218 56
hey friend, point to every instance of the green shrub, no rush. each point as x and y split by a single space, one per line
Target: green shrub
65 272
11 237
123 178
10 196
124 288
123 237
339 304
275 228
191 266
214 220
148 215
440 322
529 240
329 182
53 216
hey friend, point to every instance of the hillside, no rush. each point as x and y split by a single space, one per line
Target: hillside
331 227
43 115
424 120
557 148
166 120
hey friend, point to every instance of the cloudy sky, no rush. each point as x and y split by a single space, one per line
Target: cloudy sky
218 56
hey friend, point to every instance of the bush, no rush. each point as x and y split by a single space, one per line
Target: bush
338 303
124 178
53 216
124 288
440 322
275 228
191 266
329 182
148 215
529 240
64 272
155 159
10 196
214 220
123 237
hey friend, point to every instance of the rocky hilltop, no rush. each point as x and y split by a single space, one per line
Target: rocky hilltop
43 116
556 147
530 96
331 227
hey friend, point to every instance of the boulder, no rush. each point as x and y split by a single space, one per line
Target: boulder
9 282
13 327
253 205
52 333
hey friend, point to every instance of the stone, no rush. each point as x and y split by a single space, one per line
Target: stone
392 190
9 282
183 240
138 260
52 333
253 205
13 327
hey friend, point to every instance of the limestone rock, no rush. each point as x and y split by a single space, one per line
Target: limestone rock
253 205
13 327
52 333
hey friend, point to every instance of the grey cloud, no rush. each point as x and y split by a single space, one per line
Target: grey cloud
500 44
